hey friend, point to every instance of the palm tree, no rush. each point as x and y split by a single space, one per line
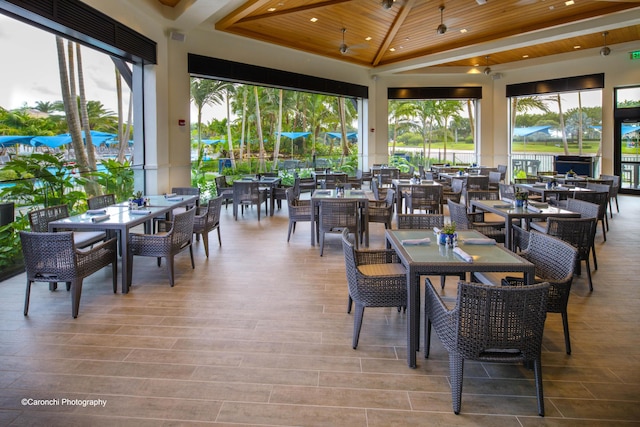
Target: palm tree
447 109
399 111
258 120
425 111
204 92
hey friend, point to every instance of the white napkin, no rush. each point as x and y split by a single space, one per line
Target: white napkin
503 206
175 199
99 218
462 254
357 192
139 212
424 241
533 208
479 241
96 211
436 230
166 196
539 204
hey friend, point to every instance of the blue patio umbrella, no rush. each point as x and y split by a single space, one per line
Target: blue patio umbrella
294 135
212 141
10 140
51 141
350 135
524 132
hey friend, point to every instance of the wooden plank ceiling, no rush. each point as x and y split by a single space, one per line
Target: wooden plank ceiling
364 32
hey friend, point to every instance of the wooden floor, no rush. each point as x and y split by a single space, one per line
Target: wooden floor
258 334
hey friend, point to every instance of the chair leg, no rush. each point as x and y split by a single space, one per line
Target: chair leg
205 242
76 291
321 243
595 261
193 266
565 326
427 336
357 324
617 207
114 273
537 369
170 269
604 232
589 274
219 238
456 368
26 297
349 304
291 226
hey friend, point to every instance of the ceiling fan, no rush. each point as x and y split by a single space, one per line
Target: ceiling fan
441 28
343 46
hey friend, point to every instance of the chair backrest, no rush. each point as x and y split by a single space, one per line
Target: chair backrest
182 229
615 183
49 256
477 182
580 232
420 221
338 213
428 197
375 188
457 185
350 263
494 177
221 183
246 192
481 195
503 171
39 219
388 174
494 319
99 202
553 258
600 198
507 191
186 191
584 208
214 206
458 214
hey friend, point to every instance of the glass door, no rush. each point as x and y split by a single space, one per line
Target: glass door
627 138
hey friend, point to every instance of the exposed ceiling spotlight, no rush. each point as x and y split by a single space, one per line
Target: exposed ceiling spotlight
481 1
441 28
487 70
387 4
343 47
605 51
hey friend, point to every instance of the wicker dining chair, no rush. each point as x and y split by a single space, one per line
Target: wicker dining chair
424 197
375 278
554 262
100 202
206 220
475 221
247 193
39 220
507 191
382 212
299 211
336 215
53 257
600 198
224 189
613 193
164 244
586 210
489 324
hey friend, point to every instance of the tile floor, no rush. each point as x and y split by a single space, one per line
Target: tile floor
258 334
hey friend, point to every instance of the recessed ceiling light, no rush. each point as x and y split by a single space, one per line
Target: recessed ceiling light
476 65
393 49
525 56
271 9
313 19
463 30
577 47
569 2
368 38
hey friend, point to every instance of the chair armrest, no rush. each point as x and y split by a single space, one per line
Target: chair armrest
164 225
383 256
90 259
442 319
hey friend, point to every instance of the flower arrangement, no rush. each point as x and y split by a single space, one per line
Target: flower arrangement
449 228
571 173
521 195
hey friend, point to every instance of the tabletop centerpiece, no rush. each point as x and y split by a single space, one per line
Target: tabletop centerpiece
448 234
521 198
570 174
138 199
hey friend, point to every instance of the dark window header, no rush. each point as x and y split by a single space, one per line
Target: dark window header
463 92
566 84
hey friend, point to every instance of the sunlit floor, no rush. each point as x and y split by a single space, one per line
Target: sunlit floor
258 334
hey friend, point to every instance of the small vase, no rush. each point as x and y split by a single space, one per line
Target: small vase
519 203
139 201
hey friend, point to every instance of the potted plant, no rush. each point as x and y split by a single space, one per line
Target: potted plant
521 197
138 199
570 174
447 234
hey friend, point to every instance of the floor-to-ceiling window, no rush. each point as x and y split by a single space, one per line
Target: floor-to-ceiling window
627 138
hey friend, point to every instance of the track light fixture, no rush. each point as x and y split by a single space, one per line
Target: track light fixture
441 28
605 51
387 4
487 70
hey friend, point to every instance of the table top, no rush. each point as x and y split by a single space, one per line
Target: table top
438 258
507 209
542 187
333 194
407 182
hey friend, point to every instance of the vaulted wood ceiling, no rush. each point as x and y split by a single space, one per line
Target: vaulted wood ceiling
496 32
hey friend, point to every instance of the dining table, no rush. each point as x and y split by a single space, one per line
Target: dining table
359 195
507 210
430 258
121 218
267 183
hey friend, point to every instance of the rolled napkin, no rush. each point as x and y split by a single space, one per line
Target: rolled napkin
140 212
533 208
503 206
462 254
539 204
166 196
409 242
323 192
99 218
479 241
357 192
175 199
436 230
96 211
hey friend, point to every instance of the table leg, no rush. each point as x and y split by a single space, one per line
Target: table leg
125 274
413 317
313 223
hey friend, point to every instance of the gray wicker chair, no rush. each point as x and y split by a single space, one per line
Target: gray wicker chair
554 261
39 222
375 279
336 215
474 221
206 220
494 180
424 197
382 212
53 257
507 191
613 193
164 244
600 198
453 193
299 211
586 210
224 189
247 193
421 221
99 202
488 324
